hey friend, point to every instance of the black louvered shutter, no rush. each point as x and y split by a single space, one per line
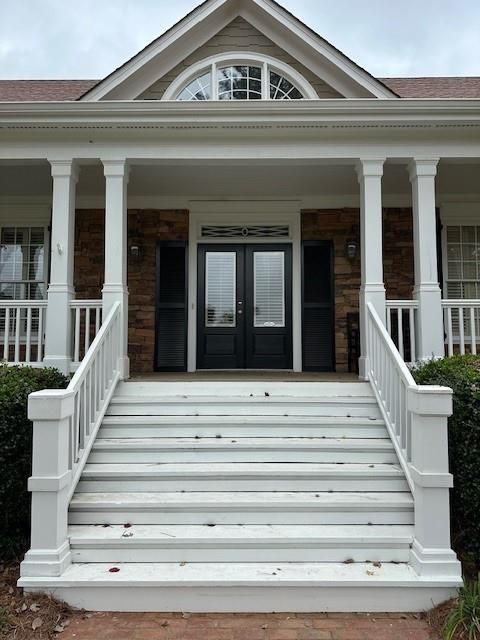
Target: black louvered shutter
171 311
318 335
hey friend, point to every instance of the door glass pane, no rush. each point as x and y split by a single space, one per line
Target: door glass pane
269 288
220 289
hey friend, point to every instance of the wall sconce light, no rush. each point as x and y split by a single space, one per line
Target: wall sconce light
136 251
351 249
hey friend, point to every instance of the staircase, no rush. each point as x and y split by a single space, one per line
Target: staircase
243 496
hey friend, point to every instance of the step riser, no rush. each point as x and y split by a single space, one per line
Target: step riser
129 485
236 516
204 456
240 431
267 553
247 409
250 599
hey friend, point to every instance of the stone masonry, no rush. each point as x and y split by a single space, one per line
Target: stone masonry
146 227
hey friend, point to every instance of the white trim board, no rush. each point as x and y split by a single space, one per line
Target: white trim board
245 212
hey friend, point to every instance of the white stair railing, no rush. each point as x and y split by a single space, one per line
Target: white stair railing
462 326
401 316
86 322
22 331
417 420
65 425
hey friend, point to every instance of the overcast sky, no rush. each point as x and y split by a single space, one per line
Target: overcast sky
89 38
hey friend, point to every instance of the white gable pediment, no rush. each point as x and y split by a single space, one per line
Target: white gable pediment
264 27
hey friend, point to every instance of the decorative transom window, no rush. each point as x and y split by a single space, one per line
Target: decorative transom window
249 231
231 78
22 263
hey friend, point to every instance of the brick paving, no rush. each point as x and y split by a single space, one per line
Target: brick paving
157 626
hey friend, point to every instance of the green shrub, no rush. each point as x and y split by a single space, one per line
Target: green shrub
464 619
16 451
462 374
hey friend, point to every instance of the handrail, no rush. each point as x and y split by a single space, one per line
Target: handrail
86 322
22 324
462 325
93 384
416 417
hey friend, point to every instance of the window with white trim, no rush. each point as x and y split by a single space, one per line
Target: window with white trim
22 263
463 261
249 81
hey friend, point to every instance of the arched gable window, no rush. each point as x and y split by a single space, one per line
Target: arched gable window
238 76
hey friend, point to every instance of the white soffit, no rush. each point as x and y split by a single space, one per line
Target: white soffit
198 27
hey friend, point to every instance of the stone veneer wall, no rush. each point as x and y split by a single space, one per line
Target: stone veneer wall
146 226
340 225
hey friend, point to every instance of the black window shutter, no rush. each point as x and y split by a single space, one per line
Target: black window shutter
171 307
317 306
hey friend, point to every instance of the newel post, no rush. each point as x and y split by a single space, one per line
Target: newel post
431 553
51 412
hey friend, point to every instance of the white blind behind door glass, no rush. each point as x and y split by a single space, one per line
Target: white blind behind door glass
220 288
269 288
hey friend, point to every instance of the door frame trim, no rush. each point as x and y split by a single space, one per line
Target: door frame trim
281 212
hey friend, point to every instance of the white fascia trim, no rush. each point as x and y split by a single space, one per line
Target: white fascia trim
152 50
239 57
292 112
325 49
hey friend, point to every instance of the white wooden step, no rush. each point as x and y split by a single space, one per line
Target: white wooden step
241 426
245 587
242 477
234 543
242 388
218 405
242 508
135 450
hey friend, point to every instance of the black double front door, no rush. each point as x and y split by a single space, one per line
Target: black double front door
244 306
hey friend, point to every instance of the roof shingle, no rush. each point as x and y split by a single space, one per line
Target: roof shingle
65 90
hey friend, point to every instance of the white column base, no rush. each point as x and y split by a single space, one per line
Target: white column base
430 332
46 562
435 563
58 345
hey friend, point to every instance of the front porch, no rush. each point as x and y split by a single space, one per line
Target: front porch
330 213
252 467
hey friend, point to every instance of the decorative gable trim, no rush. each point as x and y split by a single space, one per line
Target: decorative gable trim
163 54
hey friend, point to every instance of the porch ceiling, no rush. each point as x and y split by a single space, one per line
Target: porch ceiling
238 179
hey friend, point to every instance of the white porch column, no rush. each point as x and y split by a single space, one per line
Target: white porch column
372 288
60 290
115 284
430 342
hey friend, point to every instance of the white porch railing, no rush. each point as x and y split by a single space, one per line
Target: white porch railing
22 331
462 326
416 418
86 322
401 326
65 424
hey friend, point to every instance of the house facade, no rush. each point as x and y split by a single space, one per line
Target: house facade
240 196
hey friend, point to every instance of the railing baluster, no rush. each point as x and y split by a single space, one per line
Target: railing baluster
400 330
87 329
411 318
76 350
461 329
28 339
40 335
18 317
6 346
449 331
473 338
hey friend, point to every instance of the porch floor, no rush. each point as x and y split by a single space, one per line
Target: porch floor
246 376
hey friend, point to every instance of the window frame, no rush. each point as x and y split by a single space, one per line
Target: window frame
234 59
46 235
